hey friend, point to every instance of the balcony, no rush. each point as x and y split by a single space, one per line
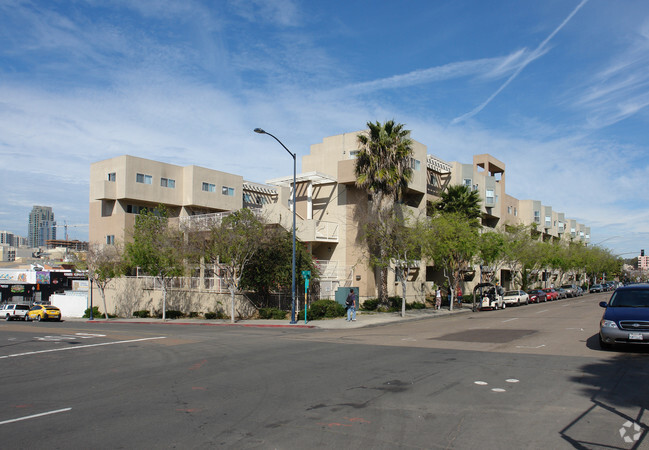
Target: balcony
317 231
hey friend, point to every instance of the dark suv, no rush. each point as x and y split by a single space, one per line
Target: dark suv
626 319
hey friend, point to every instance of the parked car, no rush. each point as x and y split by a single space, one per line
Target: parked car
14 311
571 290
516 298
537 296
562 293
551 294
43 312
626 319
596 288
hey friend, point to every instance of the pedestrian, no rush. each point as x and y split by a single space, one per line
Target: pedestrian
350 303
459 297
438 298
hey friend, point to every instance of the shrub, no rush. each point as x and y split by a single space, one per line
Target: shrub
272 313
143 314
214 315
194 314
173 314
95 313
415 305
325 309
370 304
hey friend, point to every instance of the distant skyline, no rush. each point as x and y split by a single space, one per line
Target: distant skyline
558 90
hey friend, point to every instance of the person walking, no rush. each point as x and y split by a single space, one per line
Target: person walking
438 298
350 303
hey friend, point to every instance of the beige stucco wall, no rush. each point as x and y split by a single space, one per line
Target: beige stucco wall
126 295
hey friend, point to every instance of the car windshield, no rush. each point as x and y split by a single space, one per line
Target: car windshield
631 298
511 293
22 307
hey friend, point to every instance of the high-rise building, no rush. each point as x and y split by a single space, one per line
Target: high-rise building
7 238
41 226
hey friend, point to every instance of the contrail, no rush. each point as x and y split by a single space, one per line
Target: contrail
535 54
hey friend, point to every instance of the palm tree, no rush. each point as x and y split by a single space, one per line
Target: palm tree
383 163
383 169
462 200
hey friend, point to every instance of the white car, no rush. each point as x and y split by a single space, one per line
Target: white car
11 311
516 298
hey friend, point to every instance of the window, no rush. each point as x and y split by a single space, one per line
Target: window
548 221
537 216
134 209
415 164
110 239
168 183
516 212
353 154
490 200
227 191
112 176
142 178
209 187
247 198
509 210
467 182
573 232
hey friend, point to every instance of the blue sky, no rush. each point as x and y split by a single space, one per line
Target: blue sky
556 89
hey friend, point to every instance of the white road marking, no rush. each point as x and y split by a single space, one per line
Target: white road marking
481 383
529 346
580 329
35 416
80 346
498 390
512 380
509 320
545 310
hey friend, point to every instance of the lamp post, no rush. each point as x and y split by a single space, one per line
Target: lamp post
293 155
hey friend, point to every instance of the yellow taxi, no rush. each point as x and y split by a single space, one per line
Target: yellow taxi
43 312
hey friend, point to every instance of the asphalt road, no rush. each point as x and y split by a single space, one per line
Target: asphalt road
524 378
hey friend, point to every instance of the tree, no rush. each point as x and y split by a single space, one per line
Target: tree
463 200
232 243
451 242
400 244
491 251
157 249
271 267
383 170
104 262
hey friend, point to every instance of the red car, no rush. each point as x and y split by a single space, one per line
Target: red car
537 296
551 294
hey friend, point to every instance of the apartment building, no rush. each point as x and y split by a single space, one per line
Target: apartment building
41 226
329 206
121 187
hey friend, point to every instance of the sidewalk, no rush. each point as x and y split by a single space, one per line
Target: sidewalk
363 319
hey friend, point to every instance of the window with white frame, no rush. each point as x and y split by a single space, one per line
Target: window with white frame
168 183
209 187
490 198
548 221
143 178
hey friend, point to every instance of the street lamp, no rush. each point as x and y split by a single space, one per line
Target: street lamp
293 155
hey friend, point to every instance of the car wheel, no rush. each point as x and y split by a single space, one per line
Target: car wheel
504 305
39 318
7 317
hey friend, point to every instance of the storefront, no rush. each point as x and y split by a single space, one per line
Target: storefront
25 286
